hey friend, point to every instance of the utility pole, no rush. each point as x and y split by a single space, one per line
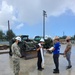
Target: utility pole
63 33
44 15
8 25
10 51
9 29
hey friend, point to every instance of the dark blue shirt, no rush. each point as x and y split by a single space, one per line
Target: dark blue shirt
57 48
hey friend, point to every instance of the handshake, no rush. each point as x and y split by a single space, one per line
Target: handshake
50 50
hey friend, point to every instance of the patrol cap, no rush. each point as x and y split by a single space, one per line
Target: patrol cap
18 38
68 38
56 38
41 40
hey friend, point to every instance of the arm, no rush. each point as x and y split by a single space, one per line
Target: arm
12 49
38 47
57 45
15 50
51 49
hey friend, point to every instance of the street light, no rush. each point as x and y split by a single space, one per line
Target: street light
44 15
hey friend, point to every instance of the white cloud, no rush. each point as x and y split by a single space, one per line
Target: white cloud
30 11
19 26
6 13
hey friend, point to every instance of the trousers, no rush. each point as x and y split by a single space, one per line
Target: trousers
16 66
68 57
56 61
39 62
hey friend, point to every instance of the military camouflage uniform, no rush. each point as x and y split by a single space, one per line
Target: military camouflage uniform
16 57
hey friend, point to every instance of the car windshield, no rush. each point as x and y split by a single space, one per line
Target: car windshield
37 38
24 38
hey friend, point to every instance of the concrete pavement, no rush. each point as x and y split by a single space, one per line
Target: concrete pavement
29 67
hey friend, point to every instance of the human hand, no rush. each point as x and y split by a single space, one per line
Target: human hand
41 46
64 55
51 49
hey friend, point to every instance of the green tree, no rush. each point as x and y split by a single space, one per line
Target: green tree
74 37
9 35
63 37
2 35
48 43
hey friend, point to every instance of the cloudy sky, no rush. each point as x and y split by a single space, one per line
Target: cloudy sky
25 16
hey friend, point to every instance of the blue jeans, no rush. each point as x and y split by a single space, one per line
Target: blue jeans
68 57
56 61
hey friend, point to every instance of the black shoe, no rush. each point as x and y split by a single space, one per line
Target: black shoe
56 71
40 69
68 67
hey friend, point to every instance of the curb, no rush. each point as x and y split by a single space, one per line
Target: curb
4 51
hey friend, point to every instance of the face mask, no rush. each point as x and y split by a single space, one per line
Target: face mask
42 44
19 42
67 40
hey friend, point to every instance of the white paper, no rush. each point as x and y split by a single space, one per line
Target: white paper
42 55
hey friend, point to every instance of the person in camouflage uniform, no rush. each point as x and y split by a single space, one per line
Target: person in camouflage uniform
16 56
